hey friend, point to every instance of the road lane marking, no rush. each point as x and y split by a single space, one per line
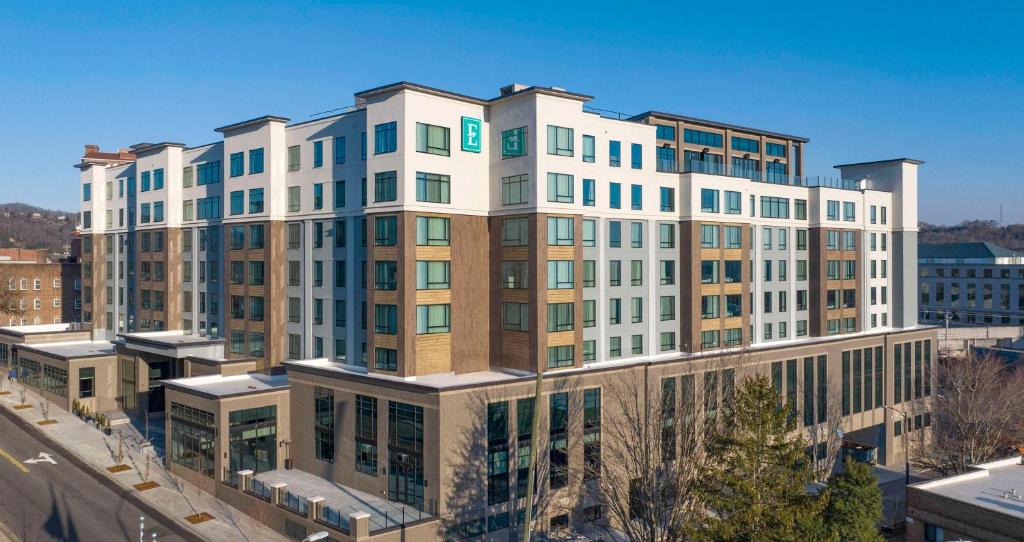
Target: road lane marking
13 461
43 458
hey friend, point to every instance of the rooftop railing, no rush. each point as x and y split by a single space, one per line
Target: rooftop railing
770 177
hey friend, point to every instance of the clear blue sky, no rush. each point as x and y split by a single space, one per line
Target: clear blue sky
863 81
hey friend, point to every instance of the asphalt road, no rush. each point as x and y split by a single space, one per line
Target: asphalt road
42 501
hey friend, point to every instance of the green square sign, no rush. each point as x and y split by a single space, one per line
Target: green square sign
471 134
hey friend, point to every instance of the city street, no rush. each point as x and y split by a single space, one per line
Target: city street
43 496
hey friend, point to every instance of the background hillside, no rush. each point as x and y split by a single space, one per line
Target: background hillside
26 226
1010 236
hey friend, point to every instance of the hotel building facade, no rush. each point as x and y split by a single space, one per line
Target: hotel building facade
411 263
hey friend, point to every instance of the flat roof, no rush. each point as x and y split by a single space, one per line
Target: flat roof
251 122
406 85
451 381
170 338
904 159
437 381
225 386
72 349
696 120
985 487
343 499
36 329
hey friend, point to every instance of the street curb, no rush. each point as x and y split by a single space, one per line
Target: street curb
168 521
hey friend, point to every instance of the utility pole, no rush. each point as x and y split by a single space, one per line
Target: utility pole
532 476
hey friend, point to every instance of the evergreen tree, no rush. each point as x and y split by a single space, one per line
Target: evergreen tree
854 507
757 489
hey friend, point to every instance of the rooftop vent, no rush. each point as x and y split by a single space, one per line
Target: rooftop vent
509 90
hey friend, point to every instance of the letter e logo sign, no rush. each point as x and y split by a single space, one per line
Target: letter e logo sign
470 134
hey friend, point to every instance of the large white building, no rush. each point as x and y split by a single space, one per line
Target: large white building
431 251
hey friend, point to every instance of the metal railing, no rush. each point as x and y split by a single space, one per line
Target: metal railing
710 167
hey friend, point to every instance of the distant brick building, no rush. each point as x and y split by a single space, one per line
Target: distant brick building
38 289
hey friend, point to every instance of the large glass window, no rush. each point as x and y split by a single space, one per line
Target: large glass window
323 423
560 188
432 187
366 435
433 139
385 138
193 438
405 453
433 231
560 140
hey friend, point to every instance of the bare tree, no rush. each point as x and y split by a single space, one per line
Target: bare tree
823 434
44 408
976 414
653 453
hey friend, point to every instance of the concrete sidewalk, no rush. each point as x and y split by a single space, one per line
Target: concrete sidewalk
174 498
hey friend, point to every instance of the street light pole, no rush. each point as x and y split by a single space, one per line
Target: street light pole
947 316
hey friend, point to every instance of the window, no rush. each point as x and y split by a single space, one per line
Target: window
667 235
614 153
615 195
516 189
774 207
560 140
432 231
800 209
614 233
207 208
385 231
385 319
386 275
743 144
323 423
636 273
560 231
832 210
733 236
709 272
589 273
709 307
668 272
366 427
614 273
237 202
385 138
87 192
433 318
431 275
515 316
668 199
433 139
560 188
237 165
636 154
86 382
515 231
385 186
432 187
636 197
709 200
255 161
560 274
513 142
775 172
255 200
560 317
588 148
849 211
294 199
318 196
732 203
709 236
589 193
636 235
186 179
698 137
